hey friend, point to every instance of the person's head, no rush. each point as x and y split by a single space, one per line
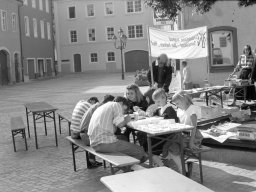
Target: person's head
159 97
163 60
133 93
124 102
108 98
182 101
93 100
184 63
247 50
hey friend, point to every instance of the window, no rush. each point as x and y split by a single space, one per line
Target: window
90 10
25 2
14 21
134 6
223 48
48 31
72 12
47 6
111 56
35 27
3 20
94 57
135 31
91 35
109 8
41 5
26 22
33 3
110 33
73 36
42 29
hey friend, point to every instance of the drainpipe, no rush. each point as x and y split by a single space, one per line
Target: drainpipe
53 34
21 50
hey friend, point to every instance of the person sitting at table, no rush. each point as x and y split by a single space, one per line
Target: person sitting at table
137 102
164 110
246 69
102 130
187 115
80 109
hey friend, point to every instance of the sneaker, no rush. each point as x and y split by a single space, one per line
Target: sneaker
93 164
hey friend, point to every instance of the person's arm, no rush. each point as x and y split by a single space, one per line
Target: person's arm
168 78
185 75
193 119
119 119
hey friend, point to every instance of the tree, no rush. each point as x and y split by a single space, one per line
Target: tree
171 8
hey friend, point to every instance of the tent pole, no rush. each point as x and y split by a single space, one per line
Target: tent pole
149 58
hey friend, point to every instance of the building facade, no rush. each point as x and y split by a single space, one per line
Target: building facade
84 30
10 50
230 28
37 38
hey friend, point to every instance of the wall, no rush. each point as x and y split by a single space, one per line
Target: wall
10 39
100 22
223 13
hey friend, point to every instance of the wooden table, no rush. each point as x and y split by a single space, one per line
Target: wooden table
162 135
41 110
160 179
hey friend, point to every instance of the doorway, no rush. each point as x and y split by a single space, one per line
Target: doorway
4 59
77 63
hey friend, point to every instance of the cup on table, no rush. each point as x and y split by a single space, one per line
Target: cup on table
136 116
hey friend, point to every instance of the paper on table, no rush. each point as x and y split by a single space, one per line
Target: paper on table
221 138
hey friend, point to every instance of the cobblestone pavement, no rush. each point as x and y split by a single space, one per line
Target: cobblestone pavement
50 168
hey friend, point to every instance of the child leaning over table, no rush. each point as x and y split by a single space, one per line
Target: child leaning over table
164 110
187 115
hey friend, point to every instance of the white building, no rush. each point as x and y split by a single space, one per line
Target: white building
84 30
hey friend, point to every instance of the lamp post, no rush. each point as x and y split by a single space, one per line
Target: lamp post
120 43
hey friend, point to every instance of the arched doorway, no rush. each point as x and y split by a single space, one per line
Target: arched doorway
136 60
77 63
17 67
4 60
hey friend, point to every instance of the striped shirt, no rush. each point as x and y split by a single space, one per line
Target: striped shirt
102 124
246 61
78 112
84 125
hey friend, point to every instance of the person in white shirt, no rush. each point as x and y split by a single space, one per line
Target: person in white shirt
187 79
102 128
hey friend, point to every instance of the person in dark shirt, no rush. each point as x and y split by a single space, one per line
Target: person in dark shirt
162 73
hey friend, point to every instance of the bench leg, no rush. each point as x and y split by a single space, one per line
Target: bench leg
13 140
73 154
104 164
112 169
27 122
45 129
87 159
59 123
24 135
200 168
55 129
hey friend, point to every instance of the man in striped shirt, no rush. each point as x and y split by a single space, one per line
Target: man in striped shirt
102 130
80 109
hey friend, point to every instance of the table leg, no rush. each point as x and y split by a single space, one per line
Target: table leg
55 130
206 98
59 124
27 122
221 99
45 129
34 120
182 155
149 151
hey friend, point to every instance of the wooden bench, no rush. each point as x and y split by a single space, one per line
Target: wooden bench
66 116
18 127
117 161
196 154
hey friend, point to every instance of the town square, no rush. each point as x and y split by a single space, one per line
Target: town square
127 95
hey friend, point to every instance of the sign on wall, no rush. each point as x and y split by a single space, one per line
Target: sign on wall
158 19
180 44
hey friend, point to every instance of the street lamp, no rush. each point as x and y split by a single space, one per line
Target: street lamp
120 43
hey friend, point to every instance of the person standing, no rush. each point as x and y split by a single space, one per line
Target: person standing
162 73
187 81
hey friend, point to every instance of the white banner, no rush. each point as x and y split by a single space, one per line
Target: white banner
180 44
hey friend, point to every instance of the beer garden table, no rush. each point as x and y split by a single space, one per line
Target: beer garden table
163 134
160 179
41 110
